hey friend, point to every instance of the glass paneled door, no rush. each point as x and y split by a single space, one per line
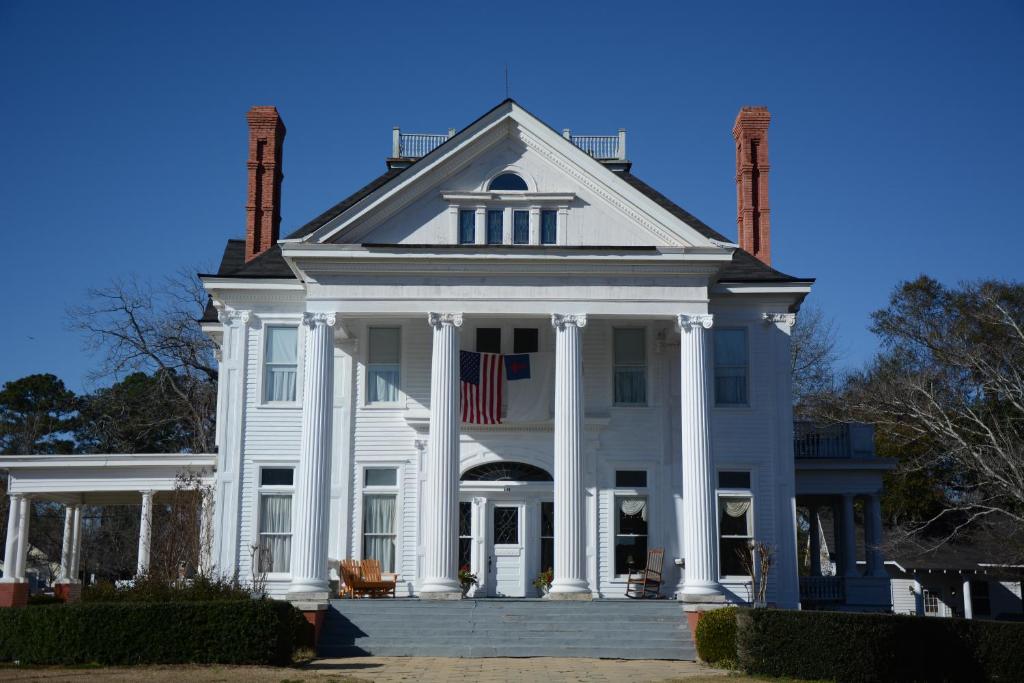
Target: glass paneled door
506 568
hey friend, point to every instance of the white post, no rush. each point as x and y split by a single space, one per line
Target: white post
396 142
968 605
441 491
848 537
145 533
205 532
567 134
13 539
311 514
21 558
622 144
76 544
873 532
67 544
701 552
570 576
815 538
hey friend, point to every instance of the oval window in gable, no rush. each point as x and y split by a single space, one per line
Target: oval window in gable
508 181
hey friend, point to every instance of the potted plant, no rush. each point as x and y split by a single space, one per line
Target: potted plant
543 581
467 579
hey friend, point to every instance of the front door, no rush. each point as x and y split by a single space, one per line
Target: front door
506 569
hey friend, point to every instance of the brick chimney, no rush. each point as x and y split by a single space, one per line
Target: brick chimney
263 206
752 211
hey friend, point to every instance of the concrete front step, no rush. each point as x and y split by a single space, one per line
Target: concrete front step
507 628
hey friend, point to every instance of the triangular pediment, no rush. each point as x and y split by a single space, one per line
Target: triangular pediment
597 207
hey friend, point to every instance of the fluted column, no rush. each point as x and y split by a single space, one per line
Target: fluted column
76 542
570 578
311 514
699 506
873 529
21 557
848 537
145 533
13 538
440 506
67 544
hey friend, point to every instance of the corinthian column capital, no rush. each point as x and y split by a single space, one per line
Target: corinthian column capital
783 319
314 319
232 317
561 320
438 319
689 321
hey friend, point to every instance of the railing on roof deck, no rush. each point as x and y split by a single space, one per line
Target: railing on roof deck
822 589
416 145
601 146
847 440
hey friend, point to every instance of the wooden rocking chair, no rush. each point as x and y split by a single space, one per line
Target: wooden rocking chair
647 582
351 578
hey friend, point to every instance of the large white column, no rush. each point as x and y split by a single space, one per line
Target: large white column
700 510
205 532
440 507
21 558
145 533
848 537
76 542
968 605
67 544
873 534
814 532
311 514
570 576
13 539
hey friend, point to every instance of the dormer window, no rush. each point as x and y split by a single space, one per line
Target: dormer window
508 181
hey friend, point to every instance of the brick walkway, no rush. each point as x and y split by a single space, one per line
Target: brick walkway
541 669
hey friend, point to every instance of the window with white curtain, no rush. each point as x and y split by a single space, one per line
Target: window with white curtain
735 533
275 519
630 361
380 510
384 363
731 366
630 533
280 364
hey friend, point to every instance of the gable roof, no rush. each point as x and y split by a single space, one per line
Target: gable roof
744 268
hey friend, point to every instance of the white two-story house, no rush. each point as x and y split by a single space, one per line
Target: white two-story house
506 353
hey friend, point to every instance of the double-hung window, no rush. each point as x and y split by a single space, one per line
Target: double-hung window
630 366
520 227
380 503
384 365
467 227
731 366
495 226
275 519
465 534
549 227
630 521
280 364
735 522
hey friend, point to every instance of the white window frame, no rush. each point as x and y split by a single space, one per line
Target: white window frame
364 397
277 490
365 490
925 595
646 367
615 492
734 493
714 368
261 368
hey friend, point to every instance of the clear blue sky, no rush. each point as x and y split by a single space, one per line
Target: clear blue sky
897 146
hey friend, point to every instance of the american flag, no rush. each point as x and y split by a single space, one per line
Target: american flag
480 379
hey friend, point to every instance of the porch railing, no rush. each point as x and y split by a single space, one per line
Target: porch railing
848 440
822 589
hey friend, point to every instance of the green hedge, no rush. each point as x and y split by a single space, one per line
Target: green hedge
843 646
716 637
223 632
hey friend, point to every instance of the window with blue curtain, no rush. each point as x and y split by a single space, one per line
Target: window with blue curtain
731 366
495 226
467 227
384 363
630 362
520 227
280 363
548 227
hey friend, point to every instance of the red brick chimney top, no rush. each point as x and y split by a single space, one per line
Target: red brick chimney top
263 204
753 215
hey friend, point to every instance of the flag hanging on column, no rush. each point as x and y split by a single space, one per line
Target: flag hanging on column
480 382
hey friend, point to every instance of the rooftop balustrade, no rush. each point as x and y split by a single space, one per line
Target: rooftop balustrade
845 440
416 145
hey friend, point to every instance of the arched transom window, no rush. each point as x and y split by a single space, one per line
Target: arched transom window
506 471
508 181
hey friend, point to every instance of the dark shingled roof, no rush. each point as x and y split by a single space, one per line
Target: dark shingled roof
270 264
1000 544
